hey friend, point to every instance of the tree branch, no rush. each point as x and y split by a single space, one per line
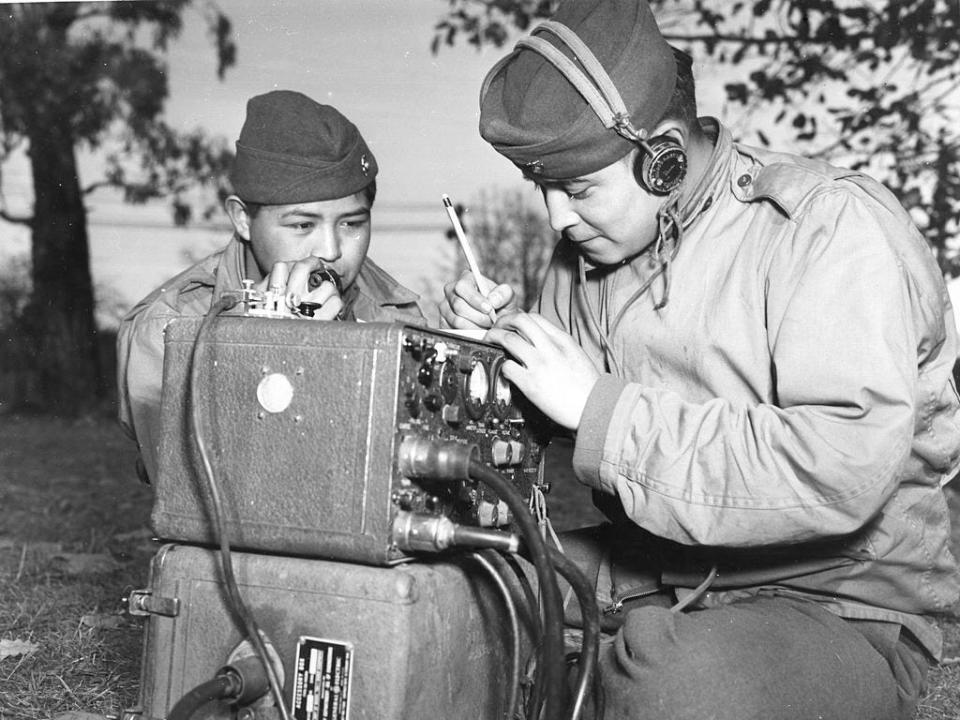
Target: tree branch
16 219
91 12
99 184
766 40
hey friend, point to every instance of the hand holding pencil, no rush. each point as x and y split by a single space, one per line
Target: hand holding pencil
472 301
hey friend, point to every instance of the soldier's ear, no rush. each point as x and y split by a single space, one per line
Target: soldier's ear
239 217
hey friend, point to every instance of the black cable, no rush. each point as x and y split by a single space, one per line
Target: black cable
222 686
484 558
590 612
525 597
598 698
698 592
220 530
528 610
532 605
552 662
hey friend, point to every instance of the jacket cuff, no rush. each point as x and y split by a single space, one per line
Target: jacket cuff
592 433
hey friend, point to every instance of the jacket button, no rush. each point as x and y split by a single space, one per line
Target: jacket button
744 180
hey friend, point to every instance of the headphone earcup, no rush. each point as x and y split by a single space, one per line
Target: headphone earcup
661 170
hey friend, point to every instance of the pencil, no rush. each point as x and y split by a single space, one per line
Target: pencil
483 285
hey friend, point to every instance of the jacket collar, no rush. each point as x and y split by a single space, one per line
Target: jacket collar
379 287
715 175
374 286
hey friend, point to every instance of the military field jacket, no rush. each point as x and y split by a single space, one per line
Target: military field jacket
190 294
789 416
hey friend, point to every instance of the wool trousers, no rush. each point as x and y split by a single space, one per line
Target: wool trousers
763 657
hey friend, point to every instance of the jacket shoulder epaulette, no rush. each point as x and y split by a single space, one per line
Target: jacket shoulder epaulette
786 180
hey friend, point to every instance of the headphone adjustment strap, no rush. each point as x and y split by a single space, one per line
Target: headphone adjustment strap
569 69
623 125
592 81
594 69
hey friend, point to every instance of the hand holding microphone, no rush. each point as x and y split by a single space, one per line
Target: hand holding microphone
309 286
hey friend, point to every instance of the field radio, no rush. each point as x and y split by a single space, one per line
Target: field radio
339 453
317 430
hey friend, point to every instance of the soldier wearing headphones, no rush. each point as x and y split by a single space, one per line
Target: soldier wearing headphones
753 352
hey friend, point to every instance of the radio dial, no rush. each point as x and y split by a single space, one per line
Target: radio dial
477 390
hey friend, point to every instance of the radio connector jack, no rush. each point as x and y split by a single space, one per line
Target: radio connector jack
412 532
422 459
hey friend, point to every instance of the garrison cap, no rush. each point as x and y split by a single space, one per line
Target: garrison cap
293 149
533 115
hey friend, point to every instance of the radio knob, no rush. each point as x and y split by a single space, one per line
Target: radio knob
451 414
412 402
404 499
507 452
490 515
415 347
425 374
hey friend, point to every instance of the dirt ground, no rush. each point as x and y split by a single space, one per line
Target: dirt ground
74 539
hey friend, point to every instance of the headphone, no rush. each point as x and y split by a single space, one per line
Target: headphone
661 164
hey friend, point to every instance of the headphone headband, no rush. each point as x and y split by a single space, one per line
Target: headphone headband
592 81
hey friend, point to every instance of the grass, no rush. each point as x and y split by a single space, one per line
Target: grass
74 539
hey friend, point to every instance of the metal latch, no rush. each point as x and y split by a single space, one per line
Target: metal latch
143 602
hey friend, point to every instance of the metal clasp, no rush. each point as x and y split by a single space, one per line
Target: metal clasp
143 602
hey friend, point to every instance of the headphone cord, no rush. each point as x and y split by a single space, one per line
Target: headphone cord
668 220
669 234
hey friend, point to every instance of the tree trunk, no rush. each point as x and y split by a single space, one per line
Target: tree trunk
60 321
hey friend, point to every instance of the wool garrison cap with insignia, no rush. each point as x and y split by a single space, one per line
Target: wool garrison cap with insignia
293 149
536 118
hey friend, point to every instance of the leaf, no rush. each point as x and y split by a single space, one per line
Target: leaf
13 648
737 92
